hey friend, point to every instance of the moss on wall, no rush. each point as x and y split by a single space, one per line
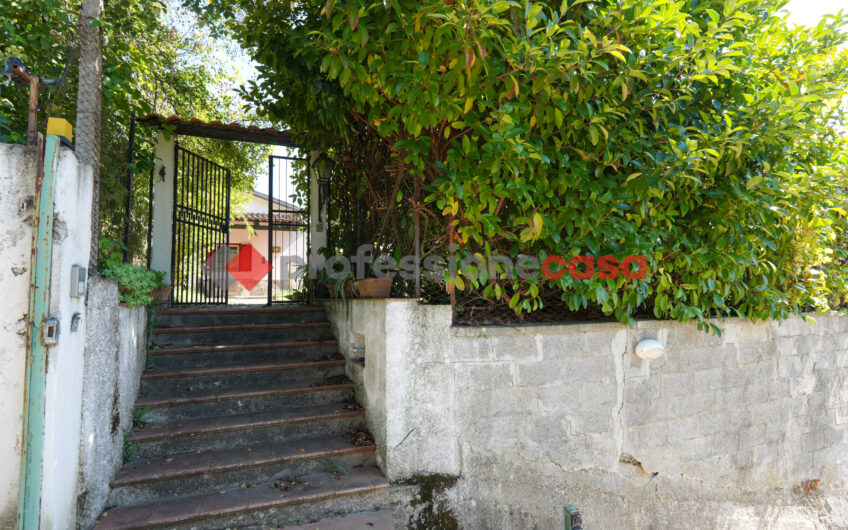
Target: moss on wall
431 509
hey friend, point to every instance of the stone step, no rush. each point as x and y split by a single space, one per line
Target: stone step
240 333
166 380
380 520
238 354
150 479
205 316
264 501
203 434
217 402
251 422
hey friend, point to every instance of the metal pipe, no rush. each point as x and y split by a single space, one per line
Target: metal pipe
227 218
29 496
270 227
128 204
417 241
32 118
150 220
174 298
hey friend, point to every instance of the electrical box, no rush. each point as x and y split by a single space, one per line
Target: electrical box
50 332
573 519
78 281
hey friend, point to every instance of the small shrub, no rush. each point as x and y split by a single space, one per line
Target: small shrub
140 417
111 253
130 448
135 283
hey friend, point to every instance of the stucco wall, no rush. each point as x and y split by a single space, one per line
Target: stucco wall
71 238
17 178
115 356
71 371
163 206
63 392
720 431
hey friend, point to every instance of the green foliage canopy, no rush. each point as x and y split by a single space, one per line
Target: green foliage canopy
155 60
707 135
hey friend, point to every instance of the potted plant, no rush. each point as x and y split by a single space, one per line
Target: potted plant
162 294
375 287
342 288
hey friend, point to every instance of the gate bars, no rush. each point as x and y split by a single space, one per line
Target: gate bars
201 230
288 232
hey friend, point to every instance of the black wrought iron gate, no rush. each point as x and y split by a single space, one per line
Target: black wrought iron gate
288 231
200 246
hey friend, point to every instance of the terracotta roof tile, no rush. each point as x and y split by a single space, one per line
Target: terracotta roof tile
288 218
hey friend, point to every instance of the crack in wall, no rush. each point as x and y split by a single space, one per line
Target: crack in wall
619 343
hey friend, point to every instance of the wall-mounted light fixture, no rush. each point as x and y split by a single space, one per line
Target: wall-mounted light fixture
649 349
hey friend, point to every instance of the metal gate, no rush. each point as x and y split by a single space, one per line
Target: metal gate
288 231
201 236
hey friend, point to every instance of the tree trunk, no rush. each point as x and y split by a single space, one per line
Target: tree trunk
89 101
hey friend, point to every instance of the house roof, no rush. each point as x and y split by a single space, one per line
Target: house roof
222 131
283 205
281 218
294 214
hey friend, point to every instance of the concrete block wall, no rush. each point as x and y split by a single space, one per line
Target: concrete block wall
719 431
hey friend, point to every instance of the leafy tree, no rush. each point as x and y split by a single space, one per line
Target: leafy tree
706 135
155 60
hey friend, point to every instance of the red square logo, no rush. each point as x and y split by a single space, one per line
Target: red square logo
248 267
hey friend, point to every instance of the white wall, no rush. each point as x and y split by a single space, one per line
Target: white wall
17 187
71 239
317 231
63 395
719 432
69 365
163 206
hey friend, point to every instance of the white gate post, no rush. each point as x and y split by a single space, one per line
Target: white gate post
317 228
163 205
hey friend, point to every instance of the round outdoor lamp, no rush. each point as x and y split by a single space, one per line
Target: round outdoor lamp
649 349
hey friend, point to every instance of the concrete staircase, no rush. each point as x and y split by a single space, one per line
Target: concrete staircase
250 422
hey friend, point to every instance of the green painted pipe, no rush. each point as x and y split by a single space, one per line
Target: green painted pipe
29 494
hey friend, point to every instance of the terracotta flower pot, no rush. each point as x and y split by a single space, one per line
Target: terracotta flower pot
375 287
162 295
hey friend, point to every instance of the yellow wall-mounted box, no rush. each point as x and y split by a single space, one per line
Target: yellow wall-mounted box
60 127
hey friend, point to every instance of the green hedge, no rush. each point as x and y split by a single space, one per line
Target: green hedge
706 135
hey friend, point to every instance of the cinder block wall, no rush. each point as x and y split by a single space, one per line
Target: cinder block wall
720 431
